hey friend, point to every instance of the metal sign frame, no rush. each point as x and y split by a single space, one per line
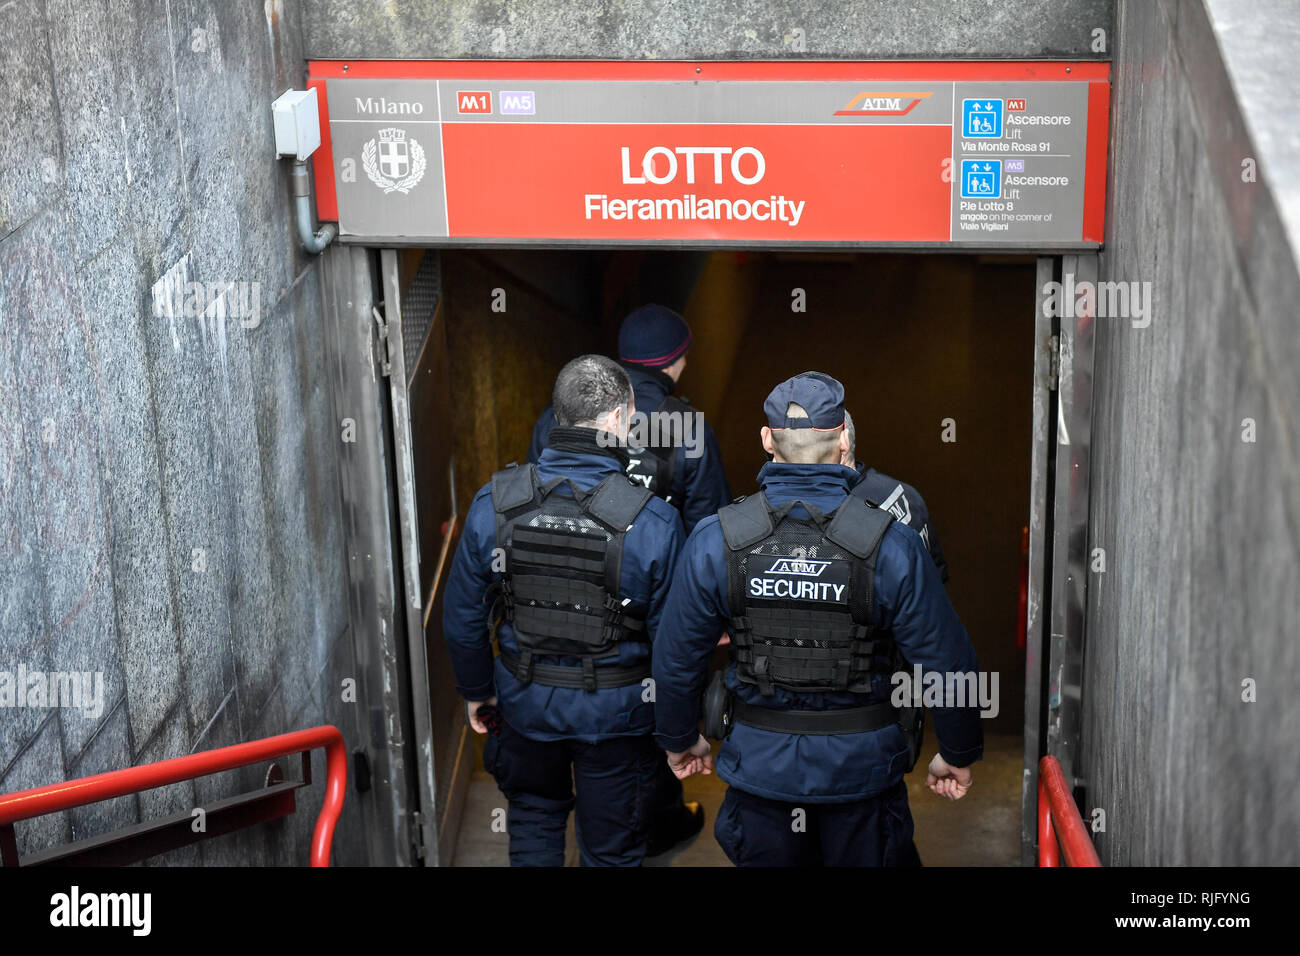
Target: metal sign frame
499 221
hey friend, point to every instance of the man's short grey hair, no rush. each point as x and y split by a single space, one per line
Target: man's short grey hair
804 446
853 432
589 388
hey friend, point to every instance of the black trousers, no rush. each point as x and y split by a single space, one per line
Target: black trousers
670 803
756 831
618 788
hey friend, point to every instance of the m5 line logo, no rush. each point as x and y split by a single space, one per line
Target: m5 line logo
799 566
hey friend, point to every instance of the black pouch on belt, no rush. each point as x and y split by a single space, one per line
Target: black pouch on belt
912 720
717 708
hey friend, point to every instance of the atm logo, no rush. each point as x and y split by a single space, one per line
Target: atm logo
882 104
807 569
473 101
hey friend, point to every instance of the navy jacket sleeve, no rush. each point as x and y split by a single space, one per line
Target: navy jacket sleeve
658 554
693 620
705 483
541 432
464 613
914 606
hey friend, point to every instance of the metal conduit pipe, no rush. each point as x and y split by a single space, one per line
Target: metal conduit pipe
313 242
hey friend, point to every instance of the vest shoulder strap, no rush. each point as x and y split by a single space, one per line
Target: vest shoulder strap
672 403
616 501
746 522
668 455
857 527
860 491
513 487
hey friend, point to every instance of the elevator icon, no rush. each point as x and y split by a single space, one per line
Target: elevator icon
981 119
981 179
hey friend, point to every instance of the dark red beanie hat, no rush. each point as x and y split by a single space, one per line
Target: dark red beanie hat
653 335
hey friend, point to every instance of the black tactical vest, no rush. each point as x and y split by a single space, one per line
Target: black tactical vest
801 593
563 564
654 466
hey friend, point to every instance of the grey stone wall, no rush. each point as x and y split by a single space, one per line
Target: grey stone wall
169 487
1201 528
692 29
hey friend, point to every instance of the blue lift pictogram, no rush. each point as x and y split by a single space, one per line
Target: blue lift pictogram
981 119
981 178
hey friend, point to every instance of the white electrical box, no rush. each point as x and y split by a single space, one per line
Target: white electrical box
297 124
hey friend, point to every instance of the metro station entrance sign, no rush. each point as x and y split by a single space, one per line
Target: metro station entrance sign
911 154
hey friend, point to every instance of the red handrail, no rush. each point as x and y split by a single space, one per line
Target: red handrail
1056 810
26 804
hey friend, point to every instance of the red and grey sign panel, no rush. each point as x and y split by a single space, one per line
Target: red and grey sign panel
1009 155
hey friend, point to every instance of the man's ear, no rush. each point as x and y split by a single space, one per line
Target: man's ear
617 420
765 434
844 444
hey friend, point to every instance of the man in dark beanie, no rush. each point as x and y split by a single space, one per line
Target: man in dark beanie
684 465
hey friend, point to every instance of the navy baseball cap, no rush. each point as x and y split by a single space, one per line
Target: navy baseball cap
821 396
653 335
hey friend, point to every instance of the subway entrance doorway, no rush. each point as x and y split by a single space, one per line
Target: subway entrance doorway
940 356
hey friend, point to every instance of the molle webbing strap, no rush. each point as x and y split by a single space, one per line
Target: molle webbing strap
563 553
848 664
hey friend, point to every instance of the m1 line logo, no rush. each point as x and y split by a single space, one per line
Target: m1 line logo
473 101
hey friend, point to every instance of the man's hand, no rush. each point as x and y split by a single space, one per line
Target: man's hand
699 759
947 780
472 707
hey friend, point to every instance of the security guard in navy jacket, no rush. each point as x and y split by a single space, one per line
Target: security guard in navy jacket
898 498
813 750
652 345
571 563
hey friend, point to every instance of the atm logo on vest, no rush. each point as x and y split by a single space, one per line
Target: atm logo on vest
808 569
